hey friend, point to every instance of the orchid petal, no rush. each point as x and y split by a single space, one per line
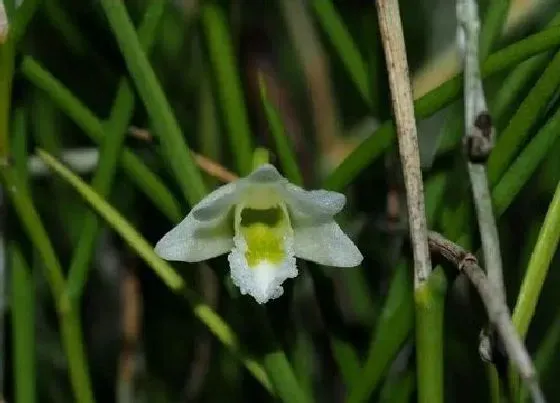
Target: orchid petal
326 244
206 232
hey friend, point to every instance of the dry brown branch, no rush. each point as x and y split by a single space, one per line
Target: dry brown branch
496 308
212 168
403 108
131 309
479 141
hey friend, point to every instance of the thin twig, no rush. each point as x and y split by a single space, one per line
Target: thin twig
496 308
214 169
84 160
140 134
478 142
210 167
403 108
131 311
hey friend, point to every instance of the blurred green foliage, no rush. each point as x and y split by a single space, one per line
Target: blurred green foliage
145 88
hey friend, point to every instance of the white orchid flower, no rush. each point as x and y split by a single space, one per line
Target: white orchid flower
264 222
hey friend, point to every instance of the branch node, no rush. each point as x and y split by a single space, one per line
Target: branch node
479 141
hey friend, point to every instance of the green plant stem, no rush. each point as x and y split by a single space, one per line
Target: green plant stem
117 125
175 148
433 101
23 327
430 303
149 183
161 268
228 86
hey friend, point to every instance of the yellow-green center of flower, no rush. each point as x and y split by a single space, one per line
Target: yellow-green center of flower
263 231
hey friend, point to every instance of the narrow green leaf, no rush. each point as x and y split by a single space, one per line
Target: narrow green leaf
492 26
514 178
398 388
303 361
346 358
70 32
518 128
347 50
276 364
117 125
525 165
149 183
283 378
45 127
546 355
283 146
22 302
69 321
24 14
537 269
19 143
395 324
344 353
7 55
167 128
208 129
519 78
545 248
227 85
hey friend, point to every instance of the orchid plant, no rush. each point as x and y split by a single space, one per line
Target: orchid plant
265 223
